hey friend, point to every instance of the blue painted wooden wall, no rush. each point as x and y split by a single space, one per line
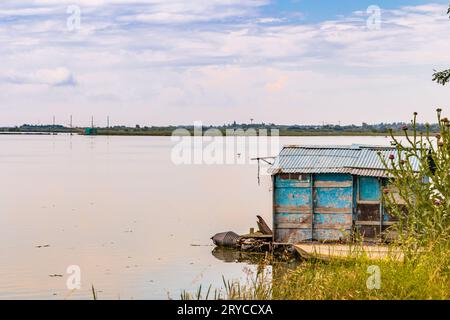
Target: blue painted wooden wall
320 208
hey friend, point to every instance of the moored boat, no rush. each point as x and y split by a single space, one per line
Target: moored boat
342 251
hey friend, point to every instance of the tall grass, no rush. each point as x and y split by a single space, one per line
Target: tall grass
258 288
427 277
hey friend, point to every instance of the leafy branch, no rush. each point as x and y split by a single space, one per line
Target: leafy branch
442 77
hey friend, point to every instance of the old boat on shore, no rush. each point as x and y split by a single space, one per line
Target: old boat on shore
325 251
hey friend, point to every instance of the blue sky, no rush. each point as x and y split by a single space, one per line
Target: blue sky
218 61
315 11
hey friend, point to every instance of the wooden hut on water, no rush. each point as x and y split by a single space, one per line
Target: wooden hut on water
327 193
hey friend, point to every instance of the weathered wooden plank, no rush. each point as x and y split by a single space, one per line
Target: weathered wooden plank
292 235
367 223
339 219
333 184
331 234
287 183
293 197
263 227
368 202
293 218
287 225
292 209
330 210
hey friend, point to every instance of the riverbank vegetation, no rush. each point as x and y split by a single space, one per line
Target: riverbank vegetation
418 197
427 277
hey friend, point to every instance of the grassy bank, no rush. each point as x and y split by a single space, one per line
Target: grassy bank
427 277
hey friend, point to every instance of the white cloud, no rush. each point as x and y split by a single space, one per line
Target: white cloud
51 77
27 11
177 61
277 85
270 20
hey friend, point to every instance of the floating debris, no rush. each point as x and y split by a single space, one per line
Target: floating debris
55 275
254 241
43 246
226 239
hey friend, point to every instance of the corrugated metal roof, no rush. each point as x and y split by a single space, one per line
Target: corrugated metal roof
359 160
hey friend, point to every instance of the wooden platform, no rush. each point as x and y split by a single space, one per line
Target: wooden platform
257 235
342 251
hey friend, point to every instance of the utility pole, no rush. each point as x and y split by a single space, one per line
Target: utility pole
71 127
107 122
92 121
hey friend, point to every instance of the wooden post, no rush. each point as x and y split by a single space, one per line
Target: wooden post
262 226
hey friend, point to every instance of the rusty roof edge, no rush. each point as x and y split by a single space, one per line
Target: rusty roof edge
349 147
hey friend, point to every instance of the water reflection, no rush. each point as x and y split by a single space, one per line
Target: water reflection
232 255
119 208
279 264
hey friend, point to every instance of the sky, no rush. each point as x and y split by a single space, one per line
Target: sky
161 62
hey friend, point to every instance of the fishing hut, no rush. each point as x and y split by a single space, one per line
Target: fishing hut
330 193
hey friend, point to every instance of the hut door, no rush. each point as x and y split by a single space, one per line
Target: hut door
368 209
333 203
292 208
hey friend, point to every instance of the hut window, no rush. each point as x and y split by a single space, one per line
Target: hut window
369 189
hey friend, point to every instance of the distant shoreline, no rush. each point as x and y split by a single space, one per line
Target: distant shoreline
234 129
165 134
282 134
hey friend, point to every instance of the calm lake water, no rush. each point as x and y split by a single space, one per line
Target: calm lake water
136 224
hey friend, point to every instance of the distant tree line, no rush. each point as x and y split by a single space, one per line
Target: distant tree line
296 129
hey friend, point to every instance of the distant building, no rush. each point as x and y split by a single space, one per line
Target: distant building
90 131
